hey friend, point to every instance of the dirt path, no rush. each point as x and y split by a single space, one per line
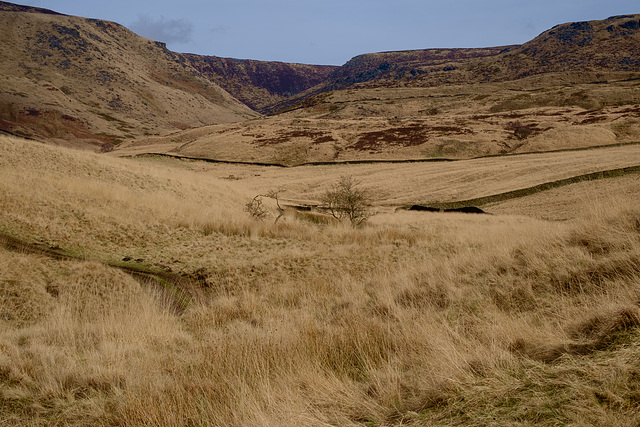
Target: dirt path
178 291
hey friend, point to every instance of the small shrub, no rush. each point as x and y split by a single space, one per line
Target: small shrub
256 208
107 147
346 201
520 131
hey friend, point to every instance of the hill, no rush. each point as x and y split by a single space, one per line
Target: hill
139 291
383 106
592 47
81 81
393 69
101 83
574 86
435 123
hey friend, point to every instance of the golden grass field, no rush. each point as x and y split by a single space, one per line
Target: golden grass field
528 316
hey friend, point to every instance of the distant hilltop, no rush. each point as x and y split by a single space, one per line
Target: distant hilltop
94 81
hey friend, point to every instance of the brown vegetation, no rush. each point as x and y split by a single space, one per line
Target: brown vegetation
390 126
99 82
414 319
346 200
260 84
411 135
142 291
461 99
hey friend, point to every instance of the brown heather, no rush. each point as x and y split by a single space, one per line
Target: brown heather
414 319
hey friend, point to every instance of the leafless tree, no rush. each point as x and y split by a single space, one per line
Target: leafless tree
345 200
275 194
256 208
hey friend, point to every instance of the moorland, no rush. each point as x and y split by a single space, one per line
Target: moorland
137 289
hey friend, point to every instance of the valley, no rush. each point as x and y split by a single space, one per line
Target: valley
274 309
168 254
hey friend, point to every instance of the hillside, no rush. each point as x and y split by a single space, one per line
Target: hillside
592 47
140 290
439 123
260 84
594 51
392 69
84 82
574 86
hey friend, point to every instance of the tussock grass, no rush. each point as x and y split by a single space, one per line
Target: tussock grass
93 202
415 319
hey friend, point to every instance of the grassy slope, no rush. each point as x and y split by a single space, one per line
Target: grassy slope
396 184
534 114
82 82
416 319
560 204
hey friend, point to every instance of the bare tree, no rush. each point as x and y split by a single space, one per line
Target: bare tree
275 194
346 201
256 209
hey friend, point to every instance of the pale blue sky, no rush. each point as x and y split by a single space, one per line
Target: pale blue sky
331 32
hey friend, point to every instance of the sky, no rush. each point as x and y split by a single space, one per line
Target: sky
330 32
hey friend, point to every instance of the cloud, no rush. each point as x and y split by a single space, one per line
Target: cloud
164 30
221 29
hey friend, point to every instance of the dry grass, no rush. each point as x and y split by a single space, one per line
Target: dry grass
416 319
400 184
462 121
570 201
